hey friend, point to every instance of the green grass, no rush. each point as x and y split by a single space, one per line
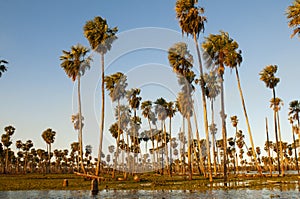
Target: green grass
147 182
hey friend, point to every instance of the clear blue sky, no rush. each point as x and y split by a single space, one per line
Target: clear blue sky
36 93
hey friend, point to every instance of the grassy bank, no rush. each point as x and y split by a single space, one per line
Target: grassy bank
147 182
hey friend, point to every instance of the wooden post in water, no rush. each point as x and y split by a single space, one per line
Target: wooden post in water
94 187
65 183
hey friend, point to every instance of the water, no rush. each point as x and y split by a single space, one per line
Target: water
142 194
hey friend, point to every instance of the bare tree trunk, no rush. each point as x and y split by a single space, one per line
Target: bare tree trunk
102 116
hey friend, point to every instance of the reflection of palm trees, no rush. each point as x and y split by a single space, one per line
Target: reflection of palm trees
267 75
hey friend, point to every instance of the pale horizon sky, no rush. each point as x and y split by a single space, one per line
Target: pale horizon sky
36 94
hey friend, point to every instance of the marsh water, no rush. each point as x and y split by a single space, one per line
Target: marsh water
279 192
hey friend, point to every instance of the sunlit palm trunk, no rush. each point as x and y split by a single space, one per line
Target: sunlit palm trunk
247 120
280 145
202 168
118 141
268 145
189 148
276 134
102 115
295 148
166 148
152 140
170 141
80 127
213 137
204 108
224 133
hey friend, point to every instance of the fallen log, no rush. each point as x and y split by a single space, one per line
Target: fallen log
99 178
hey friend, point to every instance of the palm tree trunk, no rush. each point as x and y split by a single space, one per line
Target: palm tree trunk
80 126
224 133
213 137
247 120
118 140
49 163
204 107
276 134
102 115
202 167
152 140
268 145
295 148
6 161
280 145
189 148
166 148
171 161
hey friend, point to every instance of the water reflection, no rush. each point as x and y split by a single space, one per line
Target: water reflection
275 192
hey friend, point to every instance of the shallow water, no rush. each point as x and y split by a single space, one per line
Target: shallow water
142 194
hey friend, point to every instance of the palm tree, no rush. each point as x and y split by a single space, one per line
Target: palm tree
219 49
236 57
212 88
75 63
293 15
48 135
100 37
192 23
295 110
3 66
116 85
267 75
147 112
171 111
6 141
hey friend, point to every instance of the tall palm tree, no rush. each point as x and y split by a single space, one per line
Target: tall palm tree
48 136
3 66
212 88
267 75
218 50
100 37
75 63
147 112
236 58
276 106
161 112
192 22
293 15
116 85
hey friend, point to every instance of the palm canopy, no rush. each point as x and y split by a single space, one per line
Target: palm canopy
293 15
190 17
212 86
160 108
294 109
220 51
99 35
116 85
276 104
267 75
3 67
48 136
133 98
75 62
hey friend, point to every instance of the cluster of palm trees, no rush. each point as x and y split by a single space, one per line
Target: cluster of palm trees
186 153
